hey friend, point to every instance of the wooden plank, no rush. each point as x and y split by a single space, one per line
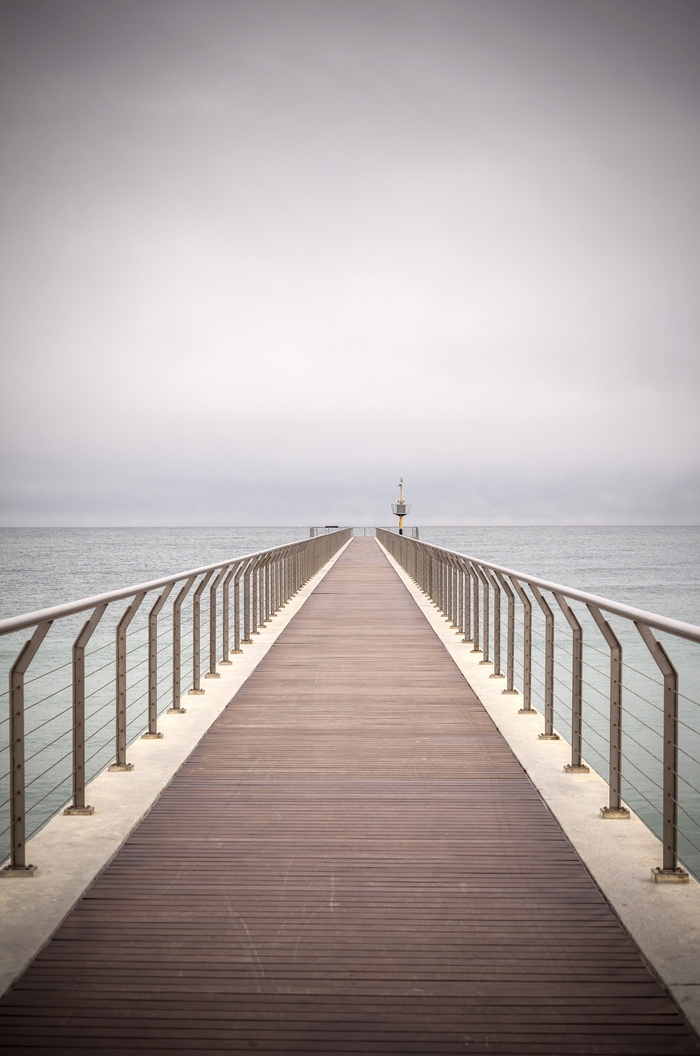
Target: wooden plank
351 860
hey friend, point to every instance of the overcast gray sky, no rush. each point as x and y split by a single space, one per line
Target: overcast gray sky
262 257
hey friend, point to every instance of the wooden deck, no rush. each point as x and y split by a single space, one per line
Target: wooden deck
352 861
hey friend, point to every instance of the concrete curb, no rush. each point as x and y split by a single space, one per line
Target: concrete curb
71 851
663 919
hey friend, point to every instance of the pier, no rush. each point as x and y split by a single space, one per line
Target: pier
351 860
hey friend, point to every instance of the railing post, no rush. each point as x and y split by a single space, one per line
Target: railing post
467 604
486 621
240 571
476 648
549 734
495 586
153 664
614 811
576 766
265 592
177 646
212 672
120 763
17 865
196 637
78 806
226 616
510 636
255 596
527 708
670 871
249 595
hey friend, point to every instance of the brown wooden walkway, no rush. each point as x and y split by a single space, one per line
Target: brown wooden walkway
351 861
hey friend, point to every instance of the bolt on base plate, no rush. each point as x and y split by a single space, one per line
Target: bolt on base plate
670 876
10 872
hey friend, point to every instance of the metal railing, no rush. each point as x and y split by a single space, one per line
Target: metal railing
53 739
649 750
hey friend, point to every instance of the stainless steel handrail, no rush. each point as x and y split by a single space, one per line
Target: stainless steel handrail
462 586
255 585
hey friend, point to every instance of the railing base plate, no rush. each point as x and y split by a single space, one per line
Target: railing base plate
615 813
195 692
527 711
571 768
225 663
497 676
212 674
120 768
177 711
548 737
79 810
151 736
670 876
11 871
509 692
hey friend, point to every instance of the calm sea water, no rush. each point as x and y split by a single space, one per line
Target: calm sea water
40 567
652 568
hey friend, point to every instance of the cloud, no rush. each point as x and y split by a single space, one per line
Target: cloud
277 245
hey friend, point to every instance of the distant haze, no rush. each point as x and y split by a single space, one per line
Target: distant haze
263 257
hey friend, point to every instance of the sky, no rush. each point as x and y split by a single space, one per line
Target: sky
261 258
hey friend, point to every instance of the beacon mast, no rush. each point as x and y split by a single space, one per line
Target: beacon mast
400 509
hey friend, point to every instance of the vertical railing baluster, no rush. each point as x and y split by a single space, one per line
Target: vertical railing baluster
467 591
226 616
17 865
486 616
213 589
510 635
177 646
120 764
496 588
78 806
670 871
476 648
576 766
549 734
527 708
240 573
614 811
196 689
153 664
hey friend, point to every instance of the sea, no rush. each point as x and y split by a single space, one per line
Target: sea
655 568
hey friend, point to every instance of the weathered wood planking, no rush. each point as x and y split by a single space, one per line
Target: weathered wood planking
351 861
